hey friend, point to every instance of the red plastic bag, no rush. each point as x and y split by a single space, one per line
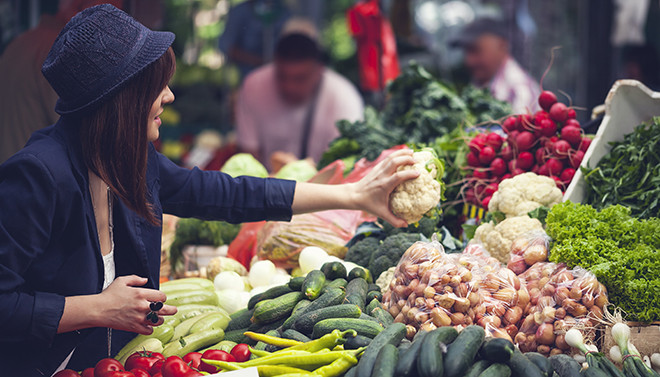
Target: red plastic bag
364 166
244 247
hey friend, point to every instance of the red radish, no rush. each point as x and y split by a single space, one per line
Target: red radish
511 139
572 134
479 189
498 167
517 171
559 183
567 175
572 122
491 188
547 99
571 113
561 148
524 122
525 161
470 195
555 166
481 174
506 176
559 112
576 159
535 169
494 141
485 202
539 156
539 116
473 160
550 143
547 128
509 124
486 155
507 153
525 141
476 144
584 144
543 170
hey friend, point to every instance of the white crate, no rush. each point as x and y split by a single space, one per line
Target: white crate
628 104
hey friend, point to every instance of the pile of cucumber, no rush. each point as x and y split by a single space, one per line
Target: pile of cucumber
309 307
444 352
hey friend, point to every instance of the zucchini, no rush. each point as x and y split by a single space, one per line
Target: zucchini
188 311
331 297
198 282
210 321
496 370
184 327
360 272
295 284
313 284
386 360
295 314
334 270
429 362
295 335
541 362
147 344
305 324
521 366
276 309
363 327
477 368
224 345
193 342
269 294
565 366
373 288
356 292
496 350
383 316
374 295
391 335
355 342
407 365
240 319
199 297
373 304
163 333
460 354
171 320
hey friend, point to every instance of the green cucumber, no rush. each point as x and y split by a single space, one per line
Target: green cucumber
193 342
296 283
460 354
211 321
496 370
305 324
297 310
351 372
367 317
541 362
266 327
383 316
355 342
356 292
371 295
391 335
594 371
269 294
407 365
373 304
477 368
337 283
386 360
521 366
276 309
261 346
238 337
295 335
334 270
331 297
496 350
200 297
565 366
359 272
373 288
240 319
363 327
404 346
430 360
313 284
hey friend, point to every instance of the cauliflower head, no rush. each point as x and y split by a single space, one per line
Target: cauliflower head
412 199
497 239
524 193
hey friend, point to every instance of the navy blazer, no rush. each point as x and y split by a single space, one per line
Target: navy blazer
49 246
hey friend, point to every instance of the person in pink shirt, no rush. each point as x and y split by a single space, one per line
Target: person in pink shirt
486 46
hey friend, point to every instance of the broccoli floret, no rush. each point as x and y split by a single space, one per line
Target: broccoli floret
392 249
360 253
426 226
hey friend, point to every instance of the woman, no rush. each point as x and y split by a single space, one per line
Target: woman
81 204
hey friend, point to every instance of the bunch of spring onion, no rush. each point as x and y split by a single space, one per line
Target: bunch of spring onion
595 359
633 366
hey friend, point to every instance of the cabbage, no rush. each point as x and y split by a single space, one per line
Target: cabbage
301 171
244 164
221 264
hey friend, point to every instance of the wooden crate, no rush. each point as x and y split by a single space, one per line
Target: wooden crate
645 337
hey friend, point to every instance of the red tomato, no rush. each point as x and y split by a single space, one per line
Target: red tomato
141 359
214 355
121 373
158 365
193 359
157 375
241 352
192 373
174 367
89 372
104 367
158 355
139 372
66 373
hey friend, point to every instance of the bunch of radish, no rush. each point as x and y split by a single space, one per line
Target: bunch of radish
549 142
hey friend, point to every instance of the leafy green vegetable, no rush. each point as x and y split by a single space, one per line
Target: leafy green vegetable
622 251
244 164
540 214
629 174
301 171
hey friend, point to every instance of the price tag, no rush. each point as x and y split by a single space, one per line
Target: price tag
247 372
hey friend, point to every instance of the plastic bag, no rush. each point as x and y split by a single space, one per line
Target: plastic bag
244 247
364 166
527 250
505 298
558 302
281 242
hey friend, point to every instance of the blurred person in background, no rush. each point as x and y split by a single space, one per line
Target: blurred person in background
287 110
27 102
641 63
487 57
251 32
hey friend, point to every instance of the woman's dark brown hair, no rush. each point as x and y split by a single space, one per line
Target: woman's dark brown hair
114 137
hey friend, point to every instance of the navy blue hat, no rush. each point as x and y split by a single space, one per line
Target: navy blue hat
98 51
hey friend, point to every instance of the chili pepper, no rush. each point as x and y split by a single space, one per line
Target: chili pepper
308 361
337 367
272 340
259 353
328 341
276 370
224 365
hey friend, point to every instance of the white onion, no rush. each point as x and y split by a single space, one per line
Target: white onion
228 280
231 300
279 279
261 273
615 354
312 258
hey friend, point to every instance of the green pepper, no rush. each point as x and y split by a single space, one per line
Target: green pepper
259 353
277 370
272 340
328 341
337 367
308 361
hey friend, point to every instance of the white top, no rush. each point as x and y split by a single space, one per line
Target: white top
266 124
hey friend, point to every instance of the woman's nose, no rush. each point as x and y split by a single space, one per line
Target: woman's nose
169 96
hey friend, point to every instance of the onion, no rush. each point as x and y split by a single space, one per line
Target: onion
228 280
261 273
615 354
545 334
312 258
621 335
